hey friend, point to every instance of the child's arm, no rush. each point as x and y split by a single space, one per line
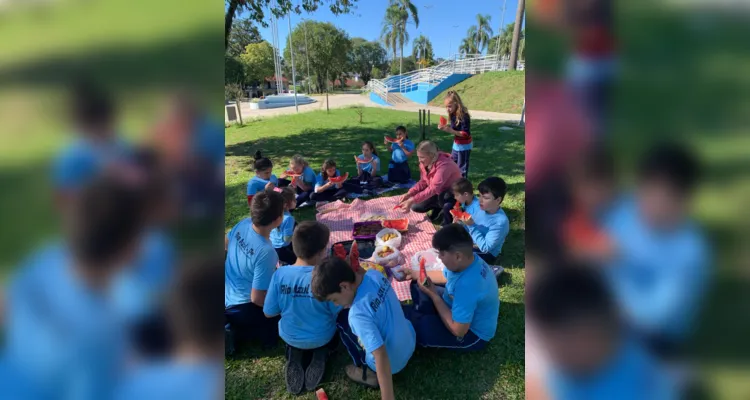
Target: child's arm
271 305
264 269
458 329
385 377
485 237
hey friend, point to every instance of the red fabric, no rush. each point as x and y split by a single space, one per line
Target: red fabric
250 199
443 173
465 138
595 41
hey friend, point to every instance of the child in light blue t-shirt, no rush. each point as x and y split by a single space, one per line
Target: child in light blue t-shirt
368 168
301 177
307 325
281 237
375 332
325 189
398 168
264 179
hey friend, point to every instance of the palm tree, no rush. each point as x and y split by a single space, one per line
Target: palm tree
394 33
468 46
402 10
505 38
483 32
422 48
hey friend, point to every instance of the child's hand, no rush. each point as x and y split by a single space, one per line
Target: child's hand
408 274
283 175
385 141
468 221
270 185
428 289
357 160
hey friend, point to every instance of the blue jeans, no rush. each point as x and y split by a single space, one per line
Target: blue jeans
462 159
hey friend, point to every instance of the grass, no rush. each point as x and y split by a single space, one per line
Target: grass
495 373
501 91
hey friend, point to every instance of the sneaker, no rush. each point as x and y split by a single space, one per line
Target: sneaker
364 376
228 341
497 270
294 373
316 369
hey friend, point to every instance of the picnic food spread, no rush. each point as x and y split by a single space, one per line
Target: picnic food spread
368 265
401 224
386 251
363 230
362 161
339 179
458 213
372 217
291 173
443 121
389 236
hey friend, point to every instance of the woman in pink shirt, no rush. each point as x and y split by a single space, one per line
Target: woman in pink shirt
433 191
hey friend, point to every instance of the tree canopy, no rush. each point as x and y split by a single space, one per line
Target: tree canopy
366 56
243 33
328 51
258 61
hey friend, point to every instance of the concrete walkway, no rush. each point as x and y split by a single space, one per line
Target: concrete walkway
347 100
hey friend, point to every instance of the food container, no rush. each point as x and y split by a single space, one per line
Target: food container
390 260
365 247
394 241
432 261
366 230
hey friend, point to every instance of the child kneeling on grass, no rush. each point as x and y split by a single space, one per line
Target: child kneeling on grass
281 237
368 167
307 325
304 183
250 263
398 168
462 315
488 225
325 190
375 332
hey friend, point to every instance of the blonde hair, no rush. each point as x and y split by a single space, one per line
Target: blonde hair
299 160
428 147
461 110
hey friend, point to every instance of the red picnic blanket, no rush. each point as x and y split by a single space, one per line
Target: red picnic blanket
340 218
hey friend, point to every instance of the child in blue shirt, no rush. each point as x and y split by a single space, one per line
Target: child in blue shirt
375 332
250 263
489 226
461 316
281 237
194 368
307 326
398 168
463 192
304 184
368 167
660 265
325 190
264 179
591 355
459 125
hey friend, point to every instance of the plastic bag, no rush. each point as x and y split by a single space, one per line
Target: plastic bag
394 242
432 261
386 256
372 216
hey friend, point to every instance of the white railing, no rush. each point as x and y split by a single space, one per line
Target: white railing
425 79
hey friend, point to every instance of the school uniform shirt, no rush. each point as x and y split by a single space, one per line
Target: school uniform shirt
376 317
472 297
251 261
168 379
464 141
631 374
399 151
368 166
658 277
257 184
309 176
61 334
319 181
306 323
84 159
472 208
489 230
282 235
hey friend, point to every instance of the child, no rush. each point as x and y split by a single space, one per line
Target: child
459 125
264 179
398 168
304 184
463 192
281 237
250 262
489 226
591 357
307 326
376 333
462 315
194 370
326 190
368 166
59 298
661 266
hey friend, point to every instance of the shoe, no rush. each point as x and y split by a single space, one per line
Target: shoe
316 369
497 270
364 376
294 373
436 215
228 341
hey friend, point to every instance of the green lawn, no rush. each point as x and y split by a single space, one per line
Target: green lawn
497 372
491 91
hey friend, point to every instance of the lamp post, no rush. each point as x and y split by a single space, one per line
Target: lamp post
291 51
307 53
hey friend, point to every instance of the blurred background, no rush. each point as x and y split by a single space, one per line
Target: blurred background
657 71
100 98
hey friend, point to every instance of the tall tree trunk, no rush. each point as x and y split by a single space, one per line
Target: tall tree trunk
516 35
401 60
228 18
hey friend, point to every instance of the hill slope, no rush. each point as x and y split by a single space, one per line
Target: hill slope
501 91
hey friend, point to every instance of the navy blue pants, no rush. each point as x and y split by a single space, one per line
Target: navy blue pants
430 329
302 195
462 159
487 257
247 322
399 172
286 254
349 339
443 201
363 181
329 195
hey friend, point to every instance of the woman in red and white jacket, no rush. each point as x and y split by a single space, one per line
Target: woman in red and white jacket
459 125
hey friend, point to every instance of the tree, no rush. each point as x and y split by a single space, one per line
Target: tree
516 34
394 26
234 71
482 32
468 46
506 40
327 48
258 62
256 13
422 49
376 73
242 34
408 64
365 56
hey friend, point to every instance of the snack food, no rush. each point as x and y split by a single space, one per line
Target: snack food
443 121
372 217
385 252
392 140
339 179
367 229
389 236
423 273
368 265
339 251
458 213
291 173
362 161
397 224
321 394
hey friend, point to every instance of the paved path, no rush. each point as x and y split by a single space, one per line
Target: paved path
346 100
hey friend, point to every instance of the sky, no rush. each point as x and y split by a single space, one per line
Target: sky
444 22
